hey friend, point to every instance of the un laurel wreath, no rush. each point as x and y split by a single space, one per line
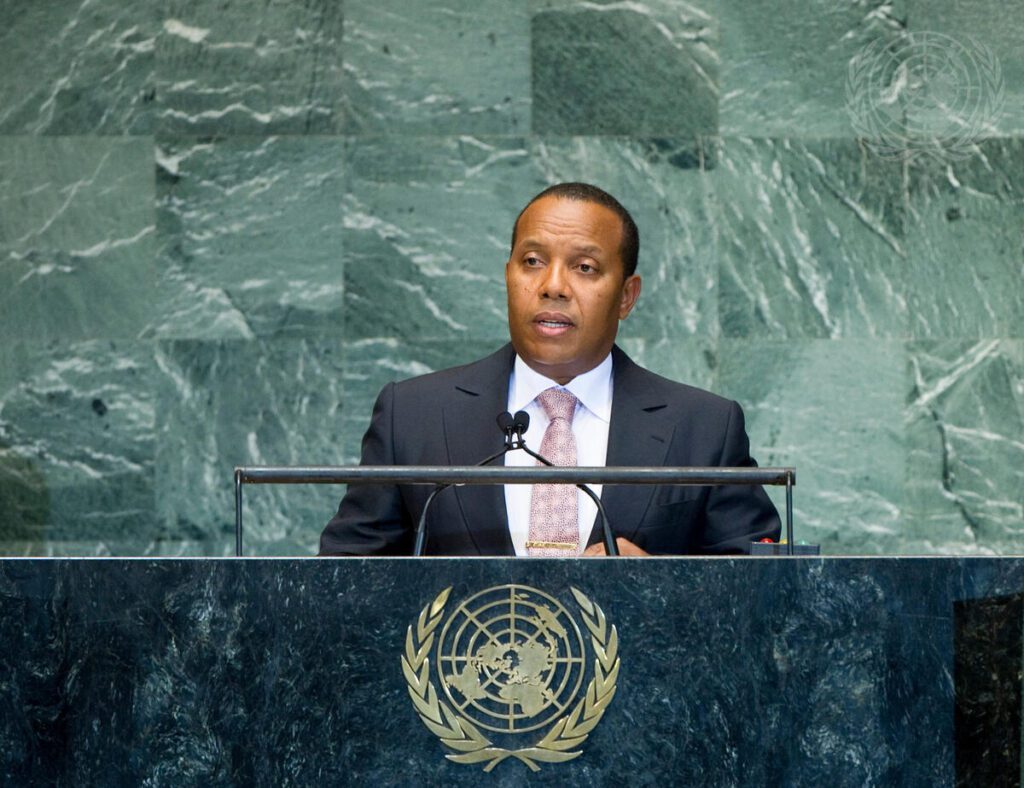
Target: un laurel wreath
510 660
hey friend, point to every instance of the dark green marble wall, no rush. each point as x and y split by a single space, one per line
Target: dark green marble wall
224 226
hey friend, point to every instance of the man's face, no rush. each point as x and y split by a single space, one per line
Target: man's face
566 285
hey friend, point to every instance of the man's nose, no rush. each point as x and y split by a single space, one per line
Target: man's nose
556 281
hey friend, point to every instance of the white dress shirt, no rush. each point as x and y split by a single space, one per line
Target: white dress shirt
590 423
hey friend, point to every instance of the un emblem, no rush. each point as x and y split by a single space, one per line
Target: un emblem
926 93
511 661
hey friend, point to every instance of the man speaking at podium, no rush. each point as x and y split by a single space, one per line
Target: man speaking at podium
570 277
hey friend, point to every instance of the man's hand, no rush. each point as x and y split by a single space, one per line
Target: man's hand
625 546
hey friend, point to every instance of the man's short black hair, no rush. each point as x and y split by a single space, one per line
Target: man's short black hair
629 249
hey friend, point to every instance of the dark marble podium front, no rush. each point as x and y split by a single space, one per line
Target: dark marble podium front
806 671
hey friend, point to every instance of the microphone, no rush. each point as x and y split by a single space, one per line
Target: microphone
506 423
521 423
513 427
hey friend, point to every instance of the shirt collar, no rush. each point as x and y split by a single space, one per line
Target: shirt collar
593 389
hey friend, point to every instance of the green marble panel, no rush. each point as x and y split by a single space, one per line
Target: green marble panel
965 238
44 548
995 26
664 185
834 410
810 240
76 447
76 237
238 402
965 442
118 546
250 237
372 363
71 67
427 225
239 67
459 67
645 69
784 62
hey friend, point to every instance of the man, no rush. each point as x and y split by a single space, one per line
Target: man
571 277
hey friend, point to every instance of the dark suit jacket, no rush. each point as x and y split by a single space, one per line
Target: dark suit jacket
448 418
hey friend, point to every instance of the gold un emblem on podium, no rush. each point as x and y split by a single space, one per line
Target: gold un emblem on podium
512 666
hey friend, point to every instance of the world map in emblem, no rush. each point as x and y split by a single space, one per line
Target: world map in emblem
511 659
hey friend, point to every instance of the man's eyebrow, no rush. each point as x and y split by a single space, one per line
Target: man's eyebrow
587 249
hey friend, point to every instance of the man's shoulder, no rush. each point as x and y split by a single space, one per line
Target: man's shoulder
643 383
474 374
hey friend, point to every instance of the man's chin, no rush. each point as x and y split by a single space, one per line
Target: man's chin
559 369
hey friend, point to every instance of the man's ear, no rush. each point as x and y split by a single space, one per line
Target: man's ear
630 294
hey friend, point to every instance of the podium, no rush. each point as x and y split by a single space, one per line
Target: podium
732 671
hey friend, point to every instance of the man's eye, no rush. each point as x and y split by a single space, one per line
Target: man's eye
532 261
586 268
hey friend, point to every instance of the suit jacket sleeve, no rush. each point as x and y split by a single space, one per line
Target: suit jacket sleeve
372 518
737 515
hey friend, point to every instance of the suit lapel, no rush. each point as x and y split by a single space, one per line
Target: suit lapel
639 434
471 434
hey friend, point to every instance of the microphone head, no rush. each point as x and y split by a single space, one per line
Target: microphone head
521 421
505 421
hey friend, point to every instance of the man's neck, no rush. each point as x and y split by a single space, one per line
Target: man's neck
592 388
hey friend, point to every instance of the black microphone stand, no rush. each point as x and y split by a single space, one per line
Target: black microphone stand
514 427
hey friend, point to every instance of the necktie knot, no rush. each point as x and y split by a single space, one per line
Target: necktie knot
558 403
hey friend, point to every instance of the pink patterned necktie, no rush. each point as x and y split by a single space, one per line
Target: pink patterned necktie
554 522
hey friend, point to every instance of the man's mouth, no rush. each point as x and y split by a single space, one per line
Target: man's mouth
552 324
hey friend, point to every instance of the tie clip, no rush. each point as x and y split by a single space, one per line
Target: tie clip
554 545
